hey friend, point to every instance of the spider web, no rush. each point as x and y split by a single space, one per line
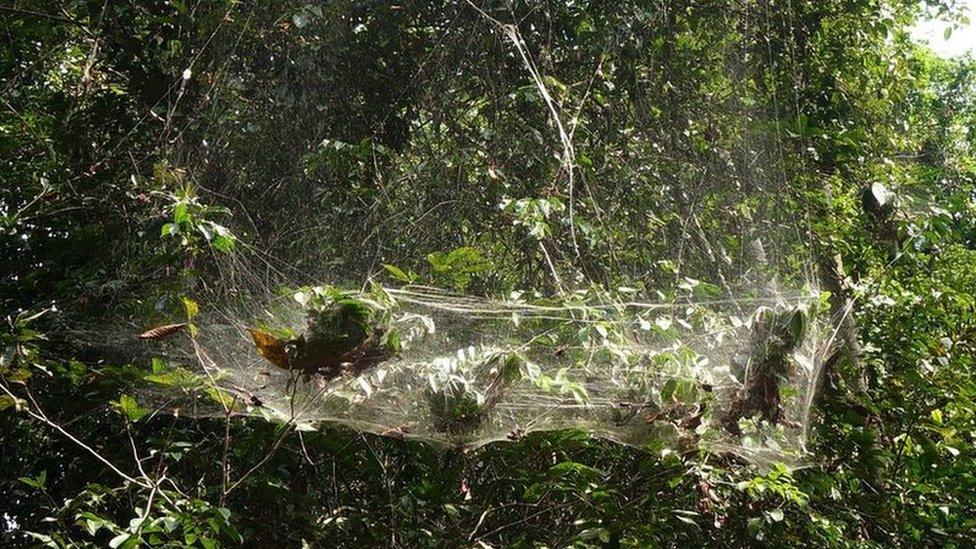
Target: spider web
657 365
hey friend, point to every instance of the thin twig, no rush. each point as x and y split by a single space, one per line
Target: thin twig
39 415
274 448
42 15
568 156
224 466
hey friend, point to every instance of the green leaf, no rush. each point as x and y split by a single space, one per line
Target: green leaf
565 468
457 267
7 402
221 397
130 408
223 243
181 214
754 526
36 482
173 377
511 369
398 273
190 307
601 534
686 520
92 522
535 492
668 391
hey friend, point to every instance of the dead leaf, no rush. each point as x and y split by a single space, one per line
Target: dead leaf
162 331
270 347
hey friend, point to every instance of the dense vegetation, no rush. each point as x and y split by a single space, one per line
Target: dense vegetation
146 145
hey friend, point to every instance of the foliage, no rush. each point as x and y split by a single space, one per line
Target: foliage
147 146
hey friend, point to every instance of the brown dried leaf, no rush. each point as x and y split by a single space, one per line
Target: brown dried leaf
159 332
270 347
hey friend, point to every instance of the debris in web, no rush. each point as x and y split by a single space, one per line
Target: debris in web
765 365
463 392
345 334
731 376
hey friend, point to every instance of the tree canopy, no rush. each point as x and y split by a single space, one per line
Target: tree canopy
172 168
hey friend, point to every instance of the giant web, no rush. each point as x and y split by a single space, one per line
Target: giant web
678 361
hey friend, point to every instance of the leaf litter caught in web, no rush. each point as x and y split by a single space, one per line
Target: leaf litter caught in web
162 331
